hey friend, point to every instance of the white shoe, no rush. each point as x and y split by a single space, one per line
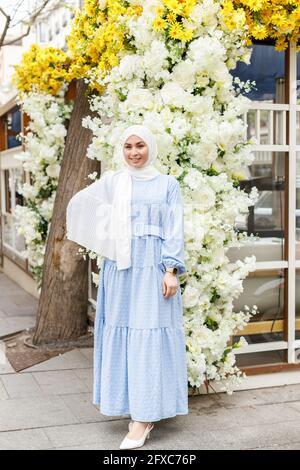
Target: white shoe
133 443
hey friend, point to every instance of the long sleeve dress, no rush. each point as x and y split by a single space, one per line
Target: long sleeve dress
140 366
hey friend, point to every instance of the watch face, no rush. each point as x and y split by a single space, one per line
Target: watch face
172 270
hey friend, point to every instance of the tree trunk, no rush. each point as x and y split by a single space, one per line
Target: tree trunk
63 303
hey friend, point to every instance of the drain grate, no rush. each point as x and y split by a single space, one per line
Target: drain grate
21 355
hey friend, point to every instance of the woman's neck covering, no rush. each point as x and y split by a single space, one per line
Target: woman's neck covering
99 216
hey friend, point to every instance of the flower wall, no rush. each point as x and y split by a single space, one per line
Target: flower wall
278 20
175 79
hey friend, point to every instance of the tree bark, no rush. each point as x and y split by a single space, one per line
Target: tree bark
63 303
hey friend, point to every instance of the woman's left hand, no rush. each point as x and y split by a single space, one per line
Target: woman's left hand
169 284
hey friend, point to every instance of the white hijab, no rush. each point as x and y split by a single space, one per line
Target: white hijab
99 216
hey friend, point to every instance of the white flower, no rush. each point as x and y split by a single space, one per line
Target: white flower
165 145
29 191
136 100
93 176
194 179
173 94
129 66
176 170
154 59
190 297
202 154
184 74
102 4
46 208
53 170
206 53
179 127
95 277
199 104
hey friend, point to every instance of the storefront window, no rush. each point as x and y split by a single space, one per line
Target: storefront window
266 220
12 121
298 206
264 288
13 243
267 69
298 304
272 122
260 358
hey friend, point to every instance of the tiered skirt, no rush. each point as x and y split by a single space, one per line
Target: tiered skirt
140 366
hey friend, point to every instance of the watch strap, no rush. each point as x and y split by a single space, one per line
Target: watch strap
171 269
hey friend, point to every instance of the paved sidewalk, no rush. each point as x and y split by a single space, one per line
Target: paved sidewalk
48 406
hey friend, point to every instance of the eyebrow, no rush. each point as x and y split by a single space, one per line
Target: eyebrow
140 142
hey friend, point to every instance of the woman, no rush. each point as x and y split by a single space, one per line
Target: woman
140 364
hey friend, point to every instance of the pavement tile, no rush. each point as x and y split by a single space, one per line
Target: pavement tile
88 353
30 439
3 392
59 382
2 314
69 360
86 375
21 385
79 434
27 413
10 325
82 407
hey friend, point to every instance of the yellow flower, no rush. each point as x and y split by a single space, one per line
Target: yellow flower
188 8
90 7
281 44
171 17
187 35
159 24
277 19
160 11
97 37
227 6
134 10
259 32
174 5
43 69
239 18
175 31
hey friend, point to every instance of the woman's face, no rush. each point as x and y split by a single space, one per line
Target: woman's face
135 151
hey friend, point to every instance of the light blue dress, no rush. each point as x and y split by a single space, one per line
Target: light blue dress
140 366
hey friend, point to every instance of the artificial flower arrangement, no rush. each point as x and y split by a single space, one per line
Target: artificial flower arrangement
166 64
44 142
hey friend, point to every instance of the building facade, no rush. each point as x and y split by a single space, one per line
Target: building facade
273 335
50 29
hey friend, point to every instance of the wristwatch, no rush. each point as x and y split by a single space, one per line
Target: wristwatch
171 269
